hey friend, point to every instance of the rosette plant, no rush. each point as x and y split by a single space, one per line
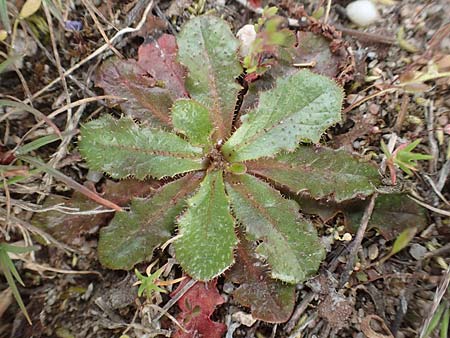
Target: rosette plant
220 170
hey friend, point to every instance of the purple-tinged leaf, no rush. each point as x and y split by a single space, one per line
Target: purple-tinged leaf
270 300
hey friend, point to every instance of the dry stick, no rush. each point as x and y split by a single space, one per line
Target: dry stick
356 245
89 7
97 52
175 299
63 109
298 312
47 238
433 144
57 59
445 170
52 60
62 149
367 37
71 183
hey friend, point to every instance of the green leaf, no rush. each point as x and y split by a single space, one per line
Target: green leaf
320 172
300 107
403 240
132 236
193 120
122 148
270 300
206 230
29 8
10 272
208 48
4 18
288 242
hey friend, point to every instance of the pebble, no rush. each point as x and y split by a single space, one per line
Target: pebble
362 12
246 35
417 251
373 252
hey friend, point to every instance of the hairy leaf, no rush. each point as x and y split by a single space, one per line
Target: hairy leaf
70 228
197 305
269 299
144 99
150 85
320 172
288 242
208 48
206 230
121 148
300 107
192 119
159 60
131 236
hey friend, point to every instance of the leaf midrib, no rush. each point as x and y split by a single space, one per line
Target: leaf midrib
246 193
216 109
149 152
266 130
302 169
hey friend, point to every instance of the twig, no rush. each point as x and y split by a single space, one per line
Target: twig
92 13
175 299
299 311
98 51
436 190
356 244
33 229
443 175
434 148
327 12
367 37
430 207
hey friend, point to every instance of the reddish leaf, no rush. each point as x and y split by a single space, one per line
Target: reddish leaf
197 305
150 85
317 49
255 3
144 100
69 227
270 300
159 60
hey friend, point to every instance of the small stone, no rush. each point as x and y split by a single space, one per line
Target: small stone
347 237
362 12
244 318
228 287
247 36
417 251
373 252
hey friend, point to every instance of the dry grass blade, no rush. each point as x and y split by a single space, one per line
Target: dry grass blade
440 292
71 183
98 51
35 112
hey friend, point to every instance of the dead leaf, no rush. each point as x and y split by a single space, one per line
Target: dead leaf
270 300
197 306
392 214
366 327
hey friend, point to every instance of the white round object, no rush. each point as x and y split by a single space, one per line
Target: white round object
362 12
246 35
